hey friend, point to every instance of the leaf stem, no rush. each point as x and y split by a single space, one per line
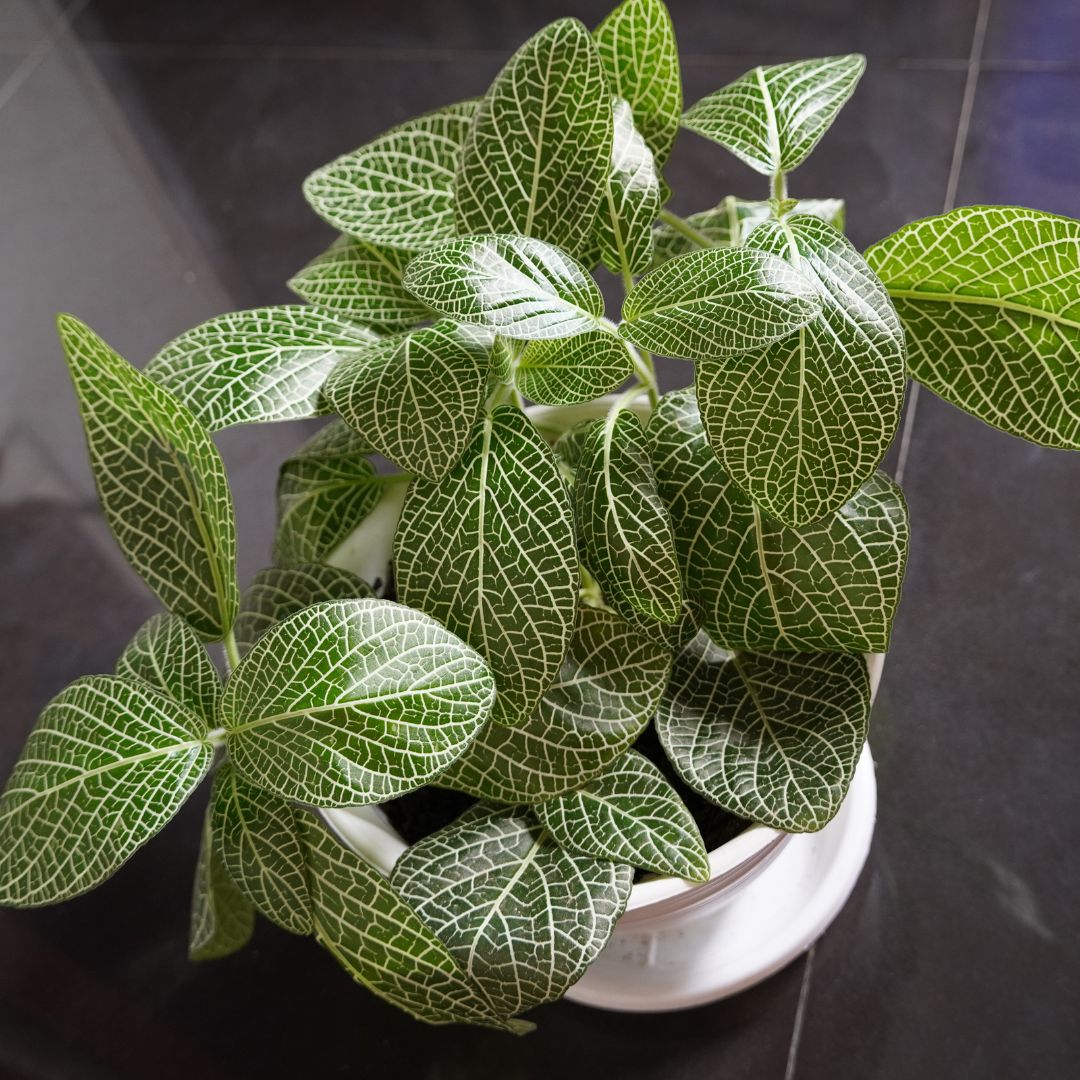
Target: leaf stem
779 185
232 653
645 370
681 225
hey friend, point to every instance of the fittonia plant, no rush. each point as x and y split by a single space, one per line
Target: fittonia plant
716 560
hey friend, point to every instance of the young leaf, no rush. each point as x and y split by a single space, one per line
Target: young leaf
520 288
108 763
489 551
716 302
990 299
774 737
382 943
624 530
640 57
222 918
571 370
629 814
801 426
257 840
253 367
536 157
161 482
754 584
772 117
416 398
361 282
351 702
278 592
606 693
397 190
631 199
522 917
167 654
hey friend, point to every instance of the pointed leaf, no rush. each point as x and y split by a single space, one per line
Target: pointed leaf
167 653
108 763
537 154
571 370
398 189
521 288
990 299
624 530
523 917
629 814
751 582
489 551
222 919
161 482
416 398
772 117
716 302
773 737
606 693
351 702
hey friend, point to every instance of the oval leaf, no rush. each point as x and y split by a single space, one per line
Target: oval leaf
572 370
222 919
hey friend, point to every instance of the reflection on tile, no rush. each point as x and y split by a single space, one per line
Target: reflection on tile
1033 30
24 22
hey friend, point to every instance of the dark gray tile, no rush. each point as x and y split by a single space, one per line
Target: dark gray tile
24 22
1033 30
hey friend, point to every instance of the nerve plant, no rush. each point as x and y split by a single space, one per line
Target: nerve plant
715 561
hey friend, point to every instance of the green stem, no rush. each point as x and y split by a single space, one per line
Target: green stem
779 185
680 225
232 653
646 371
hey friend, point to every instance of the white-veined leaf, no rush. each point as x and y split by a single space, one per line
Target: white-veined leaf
222 918
571 370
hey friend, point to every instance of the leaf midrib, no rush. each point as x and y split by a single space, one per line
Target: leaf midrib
983 301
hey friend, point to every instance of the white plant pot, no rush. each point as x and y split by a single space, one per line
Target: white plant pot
769 897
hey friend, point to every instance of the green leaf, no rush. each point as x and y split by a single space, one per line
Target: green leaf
161 482
606 692
571 370
772 117
167 653
416 398
752 583
253 367
108 763
520 288
629 814
990 299
522 917
631 199
624 530
398 189
280 591
489 551
351 702
774 737
382 943
361 282
716 302
222 919
729 223
324 491
801 426
537 155
257 838
640 57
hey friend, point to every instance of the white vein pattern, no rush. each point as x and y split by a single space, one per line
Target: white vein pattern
773 117
222 919
522 917
161 482
753 583
990 299
108 763
567 371
489 551
416 398
717 302
801 426
606 692
350 702
257 366
773 737
167 653
537 154
629 814
398 189
519 287
258 842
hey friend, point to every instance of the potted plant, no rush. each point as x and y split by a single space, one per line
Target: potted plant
551 643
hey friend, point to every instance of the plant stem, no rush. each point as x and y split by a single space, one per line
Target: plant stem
779 185
680 225
646 371
232 653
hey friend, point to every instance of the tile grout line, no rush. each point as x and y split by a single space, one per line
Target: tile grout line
44 45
